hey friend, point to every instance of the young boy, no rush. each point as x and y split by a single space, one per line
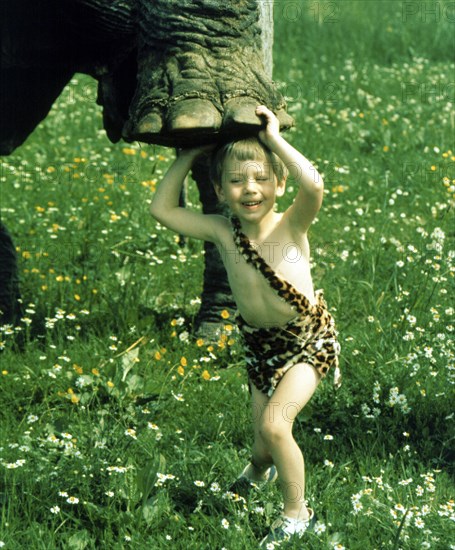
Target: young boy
289 336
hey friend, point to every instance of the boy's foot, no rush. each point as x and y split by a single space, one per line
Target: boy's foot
284 528
243 484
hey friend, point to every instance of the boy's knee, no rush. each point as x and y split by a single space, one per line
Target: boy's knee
273 433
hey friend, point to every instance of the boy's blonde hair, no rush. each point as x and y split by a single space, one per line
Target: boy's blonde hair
245 149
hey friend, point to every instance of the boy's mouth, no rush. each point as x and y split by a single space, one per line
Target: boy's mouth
251 204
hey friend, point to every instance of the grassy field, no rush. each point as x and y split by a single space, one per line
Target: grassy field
120 430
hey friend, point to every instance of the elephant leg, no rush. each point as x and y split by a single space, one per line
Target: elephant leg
115 91
147 107
201 73
10 306
216 293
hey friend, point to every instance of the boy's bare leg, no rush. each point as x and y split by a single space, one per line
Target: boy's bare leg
275 435
261 457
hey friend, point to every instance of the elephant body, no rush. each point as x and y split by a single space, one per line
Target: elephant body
169 72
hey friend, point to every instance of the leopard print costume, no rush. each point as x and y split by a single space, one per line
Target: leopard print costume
310 337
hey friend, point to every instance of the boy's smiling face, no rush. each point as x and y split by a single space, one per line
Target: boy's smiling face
249 187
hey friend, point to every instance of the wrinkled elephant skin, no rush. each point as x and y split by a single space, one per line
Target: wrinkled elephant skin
200 72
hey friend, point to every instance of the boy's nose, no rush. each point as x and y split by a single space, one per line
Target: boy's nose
250 183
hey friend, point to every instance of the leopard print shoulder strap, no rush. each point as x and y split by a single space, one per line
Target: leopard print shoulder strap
284 289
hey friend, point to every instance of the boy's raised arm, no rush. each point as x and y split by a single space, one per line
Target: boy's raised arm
165 204
310 185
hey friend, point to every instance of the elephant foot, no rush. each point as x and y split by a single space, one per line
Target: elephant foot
10 299
195 115
145 129
200 72
285 120
241 111
151 123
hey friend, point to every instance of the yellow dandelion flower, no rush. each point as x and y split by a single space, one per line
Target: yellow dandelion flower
77 297
205 375
385 148
4 372
181 370
158 355
26 255
75 399
96 372
338 189
128 151
199 342
150 184
433 168
78 369
110 384
225 314
174 323
183 362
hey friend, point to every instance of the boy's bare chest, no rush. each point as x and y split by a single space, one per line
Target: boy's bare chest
256 300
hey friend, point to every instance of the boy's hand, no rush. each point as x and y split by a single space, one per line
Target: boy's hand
195 152
272 128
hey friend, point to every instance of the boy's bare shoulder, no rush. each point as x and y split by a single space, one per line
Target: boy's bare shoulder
294 231
222 226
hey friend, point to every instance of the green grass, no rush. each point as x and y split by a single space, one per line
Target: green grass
108 390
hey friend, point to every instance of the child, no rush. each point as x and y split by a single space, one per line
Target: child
289 336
